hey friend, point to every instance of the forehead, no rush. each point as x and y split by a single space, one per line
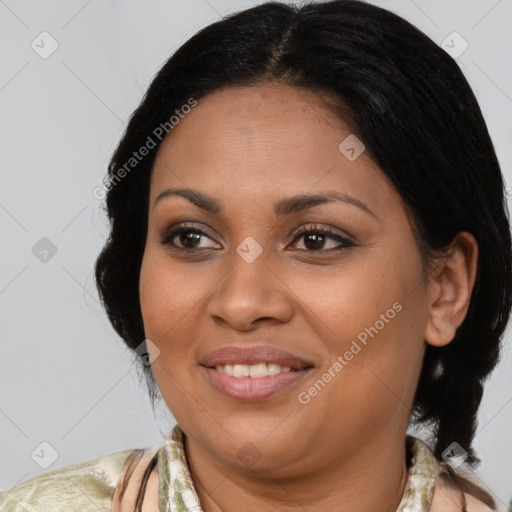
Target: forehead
262 143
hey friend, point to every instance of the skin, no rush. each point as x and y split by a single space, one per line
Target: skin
344 450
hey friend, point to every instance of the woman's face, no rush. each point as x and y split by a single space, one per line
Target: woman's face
346 310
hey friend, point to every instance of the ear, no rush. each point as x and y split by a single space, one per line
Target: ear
450 286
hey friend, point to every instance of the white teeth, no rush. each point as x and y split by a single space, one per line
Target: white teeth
253 370
273 369
258 370
227 369
240 370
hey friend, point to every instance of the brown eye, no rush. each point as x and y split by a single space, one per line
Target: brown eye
315 239
185 238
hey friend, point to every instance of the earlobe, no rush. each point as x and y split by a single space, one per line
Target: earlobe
449 289
440 331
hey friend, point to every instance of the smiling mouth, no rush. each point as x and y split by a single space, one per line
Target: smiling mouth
255 382
254 373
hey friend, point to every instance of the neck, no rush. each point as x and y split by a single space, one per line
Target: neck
371 478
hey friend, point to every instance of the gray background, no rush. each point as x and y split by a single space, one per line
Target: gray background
65 377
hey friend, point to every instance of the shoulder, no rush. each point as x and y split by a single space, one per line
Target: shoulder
88 485
448 498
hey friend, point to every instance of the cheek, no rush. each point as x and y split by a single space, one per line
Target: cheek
167 300
371 319
363 300
169 295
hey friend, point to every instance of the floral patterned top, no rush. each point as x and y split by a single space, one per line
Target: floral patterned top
90 486
177 494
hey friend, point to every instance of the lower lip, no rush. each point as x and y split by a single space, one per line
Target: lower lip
251 389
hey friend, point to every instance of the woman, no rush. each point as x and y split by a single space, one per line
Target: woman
310 246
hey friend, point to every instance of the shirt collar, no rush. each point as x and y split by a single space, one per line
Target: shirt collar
176 491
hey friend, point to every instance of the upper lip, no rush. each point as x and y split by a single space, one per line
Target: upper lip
254 355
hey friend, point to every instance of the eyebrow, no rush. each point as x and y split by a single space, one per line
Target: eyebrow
293 204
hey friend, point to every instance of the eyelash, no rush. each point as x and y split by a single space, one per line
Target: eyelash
170 234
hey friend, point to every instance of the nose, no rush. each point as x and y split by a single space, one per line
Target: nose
250 293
